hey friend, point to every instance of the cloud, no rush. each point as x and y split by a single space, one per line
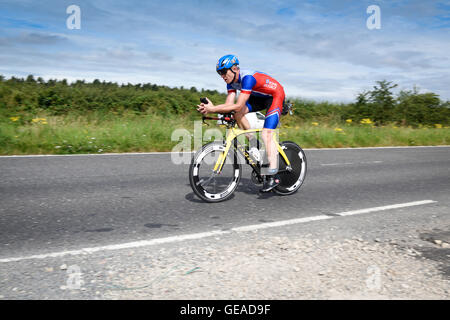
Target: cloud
160 56
315 48
25 39
41 39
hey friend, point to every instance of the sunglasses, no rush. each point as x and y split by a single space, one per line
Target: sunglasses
222 71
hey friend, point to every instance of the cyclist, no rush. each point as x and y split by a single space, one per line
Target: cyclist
258 91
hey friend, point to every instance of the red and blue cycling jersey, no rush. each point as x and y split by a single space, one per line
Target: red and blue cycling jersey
261 85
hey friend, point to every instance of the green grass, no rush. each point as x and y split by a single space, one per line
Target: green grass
87 134
340 136
128 132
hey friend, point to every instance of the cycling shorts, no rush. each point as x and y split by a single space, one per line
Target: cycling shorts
273 105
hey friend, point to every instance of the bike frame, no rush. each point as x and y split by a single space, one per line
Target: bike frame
233 133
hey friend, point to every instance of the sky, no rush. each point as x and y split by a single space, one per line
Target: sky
320 50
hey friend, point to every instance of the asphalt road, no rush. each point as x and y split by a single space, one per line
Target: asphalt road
52 204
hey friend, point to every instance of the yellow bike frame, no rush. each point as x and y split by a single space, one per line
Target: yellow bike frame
234 133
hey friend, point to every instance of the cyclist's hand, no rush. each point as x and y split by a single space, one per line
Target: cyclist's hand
202 109
205 108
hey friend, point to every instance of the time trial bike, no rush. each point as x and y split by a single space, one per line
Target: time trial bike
216 168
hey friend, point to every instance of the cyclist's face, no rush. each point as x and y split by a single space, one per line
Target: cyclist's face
227 76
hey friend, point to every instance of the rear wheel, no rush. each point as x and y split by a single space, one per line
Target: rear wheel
291 180
210 186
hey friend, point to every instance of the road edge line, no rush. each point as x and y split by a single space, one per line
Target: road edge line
201 235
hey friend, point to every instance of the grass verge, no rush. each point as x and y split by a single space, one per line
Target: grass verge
100 133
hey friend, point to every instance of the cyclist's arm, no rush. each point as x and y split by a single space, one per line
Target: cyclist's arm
230 105
248 82
230 97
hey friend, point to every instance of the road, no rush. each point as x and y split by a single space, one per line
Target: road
55 204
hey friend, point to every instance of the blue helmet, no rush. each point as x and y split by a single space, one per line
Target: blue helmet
226 62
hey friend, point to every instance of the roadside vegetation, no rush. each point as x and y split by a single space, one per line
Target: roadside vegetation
55 117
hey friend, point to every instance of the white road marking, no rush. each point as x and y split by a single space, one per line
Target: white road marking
279 223
350 163
336 164
394 206
128 245
168 152
145 243
93 154
369 148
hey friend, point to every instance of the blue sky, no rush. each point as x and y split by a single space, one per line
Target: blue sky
319 50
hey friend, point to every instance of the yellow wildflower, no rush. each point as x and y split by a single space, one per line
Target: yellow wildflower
349 120
14 119
366 121
338 129
438 125
39 120
315 123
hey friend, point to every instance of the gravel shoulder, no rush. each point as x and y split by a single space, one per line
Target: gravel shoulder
272 267
318 260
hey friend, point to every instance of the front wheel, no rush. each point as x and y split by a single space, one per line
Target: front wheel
208 185
291 180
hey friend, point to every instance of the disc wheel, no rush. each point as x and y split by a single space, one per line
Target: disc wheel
208 185
291 180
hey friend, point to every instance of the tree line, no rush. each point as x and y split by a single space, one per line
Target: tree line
58 97
382 106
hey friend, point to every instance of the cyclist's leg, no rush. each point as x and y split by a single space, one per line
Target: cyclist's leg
256 103
241 119
253 104
270 124
259 103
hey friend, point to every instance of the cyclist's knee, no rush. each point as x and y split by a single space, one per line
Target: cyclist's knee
267 134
